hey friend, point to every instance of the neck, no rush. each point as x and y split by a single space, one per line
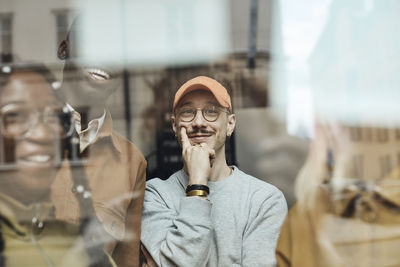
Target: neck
220 170
90 113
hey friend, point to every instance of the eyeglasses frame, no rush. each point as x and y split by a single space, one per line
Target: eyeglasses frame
221 109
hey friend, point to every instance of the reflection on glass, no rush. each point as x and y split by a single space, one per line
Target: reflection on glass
348 208
36 129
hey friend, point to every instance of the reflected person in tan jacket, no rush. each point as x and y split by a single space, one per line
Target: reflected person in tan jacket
115 167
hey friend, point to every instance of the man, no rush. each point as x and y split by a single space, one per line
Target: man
209 213
115 167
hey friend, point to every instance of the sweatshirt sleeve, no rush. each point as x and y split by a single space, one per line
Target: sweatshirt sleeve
261 234
176 234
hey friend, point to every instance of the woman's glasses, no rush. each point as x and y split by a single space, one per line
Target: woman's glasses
18 119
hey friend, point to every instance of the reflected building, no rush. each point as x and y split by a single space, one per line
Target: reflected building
34 36
141 110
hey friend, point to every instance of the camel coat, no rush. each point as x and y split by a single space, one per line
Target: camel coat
116 172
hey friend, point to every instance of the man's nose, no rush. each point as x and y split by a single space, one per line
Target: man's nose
40 132
199 120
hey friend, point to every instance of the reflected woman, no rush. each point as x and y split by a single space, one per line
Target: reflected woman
35 127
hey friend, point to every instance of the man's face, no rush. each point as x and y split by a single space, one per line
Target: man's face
200 130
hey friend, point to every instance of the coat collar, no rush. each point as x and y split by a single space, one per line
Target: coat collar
106 131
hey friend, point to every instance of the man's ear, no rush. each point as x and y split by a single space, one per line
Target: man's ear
173 124
63 50
231 124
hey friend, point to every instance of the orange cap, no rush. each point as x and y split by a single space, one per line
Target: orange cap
204 83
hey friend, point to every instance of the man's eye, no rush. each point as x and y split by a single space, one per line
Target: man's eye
53 117
15 116
211 111
188 111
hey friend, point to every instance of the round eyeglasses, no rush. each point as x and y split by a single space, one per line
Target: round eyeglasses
18 119
210 113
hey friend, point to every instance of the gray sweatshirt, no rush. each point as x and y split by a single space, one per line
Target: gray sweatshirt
239 226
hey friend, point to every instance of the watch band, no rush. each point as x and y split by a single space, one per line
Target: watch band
197 193
202 187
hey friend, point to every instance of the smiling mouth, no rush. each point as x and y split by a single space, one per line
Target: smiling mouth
37 159
199 137
98 74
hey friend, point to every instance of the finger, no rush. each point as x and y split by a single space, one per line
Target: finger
212 153
212 162
185 140
212 157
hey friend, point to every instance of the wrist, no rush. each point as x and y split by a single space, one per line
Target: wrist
198 180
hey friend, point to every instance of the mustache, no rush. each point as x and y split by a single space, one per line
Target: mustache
199 131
